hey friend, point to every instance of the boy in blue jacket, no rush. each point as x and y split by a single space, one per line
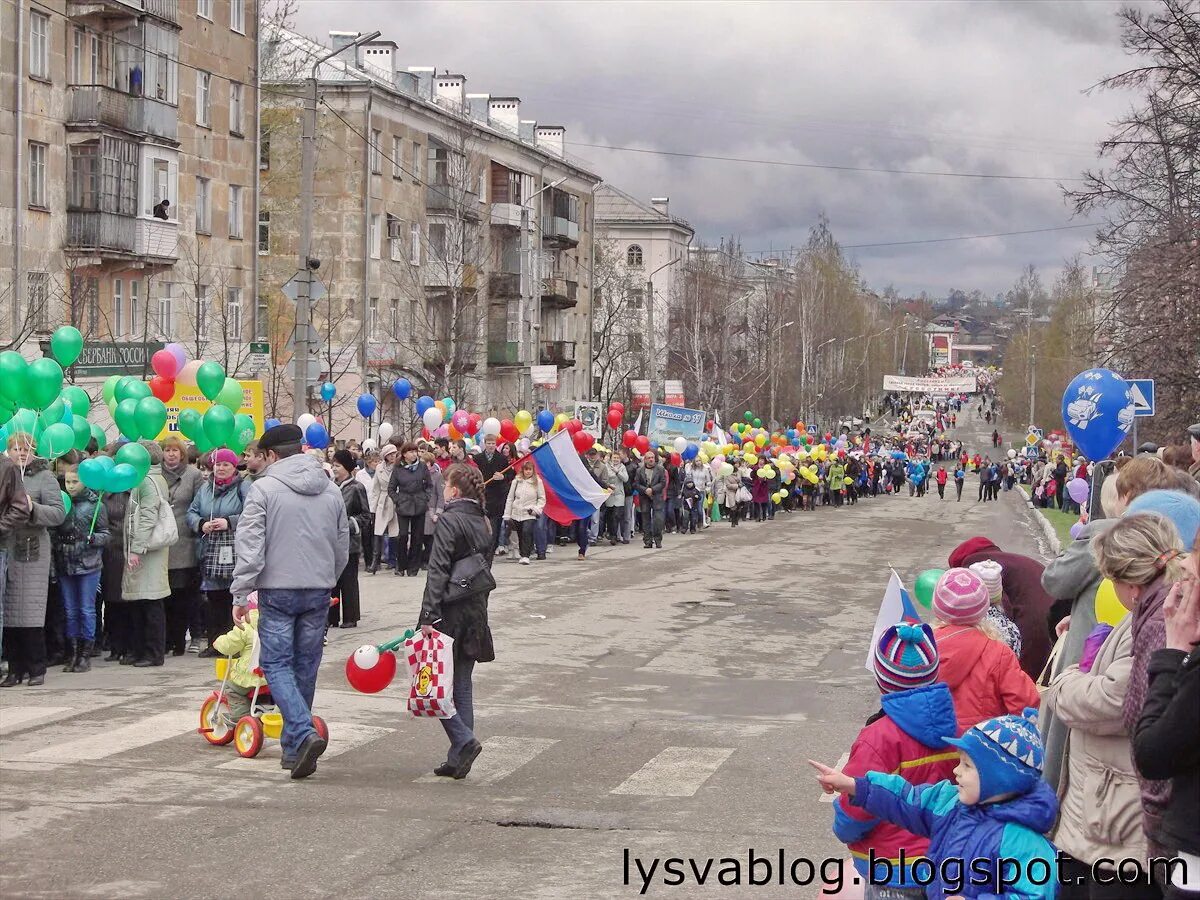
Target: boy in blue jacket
985 832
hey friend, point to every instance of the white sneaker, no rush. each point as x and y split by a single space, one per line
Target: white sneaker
502 551
524 560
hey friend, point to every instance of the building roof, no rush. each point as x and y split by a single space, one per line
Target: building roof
614 206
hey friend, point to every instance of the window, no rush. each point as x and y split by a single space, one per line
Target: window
635 342
203 99
395 235
439 165
118 308
264 153
635 298
414 164
437 240
135 319
37 174
373 317
397 156
235 211
633 256
83 175
394 316
85 56
165 309
202 301
414 244
373 152
235 108
233 312
376 240
237 15
264 231
39 45
204 9
203 206
160 187
37 296
162 64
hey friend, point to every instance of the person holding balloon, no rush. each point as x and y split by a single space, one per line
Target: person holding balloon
213 517
145 583
78 557
184 607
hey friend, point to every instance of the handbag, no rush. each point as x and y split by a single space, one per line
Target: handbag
165 532
219 558
743 494
469 576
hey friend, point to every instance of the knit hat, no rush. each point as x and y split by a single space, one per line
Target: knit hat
345 459
224 455
388 451
1007 751
960 597
1182 510
906 657
990 573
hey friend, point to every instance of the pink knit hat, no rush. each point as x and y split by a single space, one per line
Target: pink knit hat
225 455
961 598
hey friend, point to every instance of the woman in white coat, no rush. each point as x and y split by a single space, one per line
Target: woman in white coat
387 526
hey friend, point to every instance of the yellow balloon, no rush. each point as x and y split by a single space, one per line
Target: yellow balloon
522 420
751 459
1109 610
760 440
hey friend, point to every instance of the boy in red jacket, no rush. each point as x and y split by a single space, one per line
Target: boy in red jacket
904 737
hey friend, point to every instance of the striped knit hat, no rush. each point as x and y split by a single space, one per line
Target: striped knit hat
990 573
961 598
906 657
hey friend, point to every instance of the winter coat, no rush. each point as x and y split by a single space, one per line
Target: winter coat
215 502
358 512
366 477
729 488
906 738
410 489
650 487
1166 743
149 581
702 476
982 833
438 503
526 499
1026 601
462 529
983 675
615 479
182 485
76 551
495 492
238 642
12 498
113 572
1101 806
29 549
293 531
381 503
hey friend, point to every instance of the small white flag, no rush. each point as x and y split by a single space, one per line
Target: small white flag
897 606
637 424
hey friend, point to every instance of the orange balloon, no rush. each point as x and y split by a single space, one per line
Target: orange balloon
455 434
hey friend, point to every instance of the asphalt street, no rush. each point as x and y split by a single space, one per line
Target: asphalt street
643 705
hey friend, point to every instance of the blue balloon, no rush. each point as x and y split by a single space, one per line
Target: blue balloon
545 420
270 423
423 403
402 389
316 436
691 451
366 405
1098 412
328 391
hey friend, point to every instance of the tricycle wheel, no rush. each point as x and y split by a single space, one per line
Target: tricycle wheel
214 722
248 736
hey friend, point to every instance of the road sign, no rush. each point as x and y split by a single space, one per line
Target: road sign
291 289
1141 391
260 356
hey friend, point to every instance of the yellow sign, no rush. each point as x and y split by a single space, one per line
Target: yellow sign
191 398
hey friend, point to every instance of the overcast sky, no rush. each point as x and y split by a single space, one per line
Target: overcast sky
957 87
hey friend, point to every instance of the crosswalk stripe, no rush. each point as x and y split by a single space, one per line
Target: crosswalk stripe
103 743
675 772
501 757
343 737
14 718
842 760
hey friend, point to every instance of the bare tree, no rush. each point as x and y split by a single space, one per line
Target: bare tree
618 341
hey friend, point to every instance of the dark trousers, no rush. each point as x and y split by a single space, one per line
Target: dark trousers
181 607
579 530
25 650
497 523
346 590
941 491
368 549
652 523
1088 889
218 613
56 625
525 537
118 617
409 543
958 488
148 629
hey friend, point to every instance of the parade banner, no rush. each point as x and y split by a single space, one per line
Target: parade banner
191 398
669 422
912 384
591 415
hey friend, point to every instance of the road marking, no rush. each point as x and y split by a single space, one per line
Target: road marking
17 718
676 772
501 757
342 738
110 742
842 760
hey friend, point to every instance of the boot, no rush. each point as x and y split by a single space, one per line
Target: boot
12 679
377 556
83 657
71 658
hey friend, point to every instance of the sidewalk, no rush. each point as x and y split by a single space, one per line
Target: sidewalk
1055 523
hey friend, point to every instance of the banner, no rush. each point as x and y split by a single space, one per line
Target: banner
669 422
639 395
590 414
673 393
954 384
191 398
544 376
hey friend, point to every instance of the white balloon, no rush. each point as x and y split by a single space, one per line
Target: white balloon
305 420
491 425
368 445
385 431
523 445
432 418
1012 453
680 444
366 656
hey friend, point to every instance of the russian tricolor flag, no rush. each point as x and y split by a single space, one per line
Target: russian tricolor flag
571 491
897 606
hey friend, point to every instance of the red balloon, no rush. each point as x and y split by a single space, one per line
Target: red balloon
162 387
676 459
614 418
165 364
508 431
616 404
583 441
629 439
473 422
425 434
374 679
642 443
828 436
708 426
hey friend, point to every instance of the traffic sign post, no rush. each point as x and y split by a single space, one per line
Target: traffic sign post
1141 392
260 356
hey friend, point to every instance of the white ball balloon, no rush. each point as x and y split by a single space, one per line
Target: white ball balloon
432 418
305 420
386 431
680 444
491 425
366 656
368 445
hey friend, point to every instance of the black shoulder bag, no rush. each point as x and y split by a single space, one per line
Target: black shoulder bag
469 576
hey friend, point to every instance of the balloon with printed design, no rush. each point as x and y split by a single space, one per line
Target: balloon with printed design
1099 411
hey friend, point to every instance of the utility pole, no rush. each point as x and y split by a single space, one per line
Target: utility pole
525 341
1032 381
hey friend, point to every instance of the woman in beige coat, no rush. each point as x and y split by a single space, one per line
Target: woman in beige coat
526 500
386 525
146 582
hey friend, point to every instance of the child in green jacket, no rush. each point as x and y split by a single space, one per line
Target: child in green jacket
239 642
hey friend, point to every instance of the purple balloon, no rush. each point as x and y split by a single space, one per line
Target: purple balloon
1077 531
1078 490
177 351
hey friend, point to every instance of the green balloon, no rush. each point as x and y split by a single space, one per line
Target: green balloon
204 445
83 432
77 398
137 390
109 391
100 436
151 417
230 396
67 504
243 432
54 412
134 455
44 381
218 425
190 424
66 344
13 373
924 585
126 419
57 440
123 477
24 420
210 378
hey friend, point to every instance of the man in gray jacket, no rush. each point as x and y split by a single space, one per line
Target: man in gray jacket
293 540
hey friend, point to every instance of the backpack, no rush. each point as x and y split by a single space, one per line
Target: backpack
165 532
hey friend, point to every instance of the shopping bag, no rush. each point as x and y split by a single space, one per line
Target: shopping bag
430 662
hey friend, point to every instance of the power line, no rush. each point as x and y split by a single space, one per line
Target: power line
970 237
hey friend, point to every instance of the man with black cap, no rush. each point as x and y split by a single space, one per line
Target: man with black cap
292 543
1194 434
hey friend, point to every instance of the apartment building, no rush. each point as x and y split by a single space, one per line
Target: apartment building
454 235
128 177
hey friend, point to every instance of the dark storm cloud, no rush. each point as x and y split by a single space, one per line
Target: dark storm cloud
991 87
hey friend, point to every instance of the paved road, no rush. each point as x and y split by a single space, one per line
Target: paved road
660 703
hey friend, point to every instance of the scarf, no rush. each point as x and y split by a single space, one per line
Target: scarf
224 482
172 475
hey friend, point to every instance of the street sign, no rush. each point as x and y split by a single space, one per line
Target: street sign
260 356
291 289
1141 392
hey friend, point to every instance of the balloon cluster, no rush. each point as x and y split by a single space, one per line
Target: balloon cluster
221 425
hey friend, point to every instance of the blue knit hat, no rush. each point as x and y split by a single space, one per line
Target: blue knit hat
906 657
1182 510
1007 751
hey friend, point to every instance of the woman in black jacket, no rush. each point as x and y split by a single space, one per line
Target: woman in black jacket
410 490
462 529
358 511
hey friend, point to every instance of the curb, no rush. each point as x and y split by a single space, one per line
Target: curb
1047 529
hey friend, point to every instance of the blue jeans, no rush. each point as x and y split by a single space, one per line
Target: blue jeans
291 628
79 601
541 533
461 728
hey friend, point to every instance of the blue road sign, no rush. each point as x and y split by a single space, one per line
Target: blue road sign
1142 391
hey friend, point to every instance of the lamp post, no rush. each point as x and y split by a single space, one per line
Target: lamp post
651 350
817 353
771 367
529 277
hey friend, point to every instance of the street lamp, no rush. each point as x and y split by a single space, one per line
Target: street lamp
771 368
652 358
528 322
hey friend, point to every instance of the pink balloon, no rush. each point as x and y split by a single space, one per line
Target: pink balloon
459 420
443 431
187 375
165 363
177 351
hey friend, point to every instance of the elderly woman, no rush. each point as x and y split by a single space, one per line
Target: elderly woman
213 516
183 607
146 583
29 567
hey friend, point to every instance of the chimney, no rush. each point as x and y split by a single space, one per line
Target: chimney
340 41
424 76
477 105
527 129
378 55
505 112
451 90
550 138
661 204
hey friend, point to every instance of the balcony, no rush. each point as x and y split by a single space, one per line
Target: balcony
559 233
502 285
105 12
101 233
164 9
157 239
452 200
504 353
93 104
558 291
440 353
444 276
558 353
506 215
